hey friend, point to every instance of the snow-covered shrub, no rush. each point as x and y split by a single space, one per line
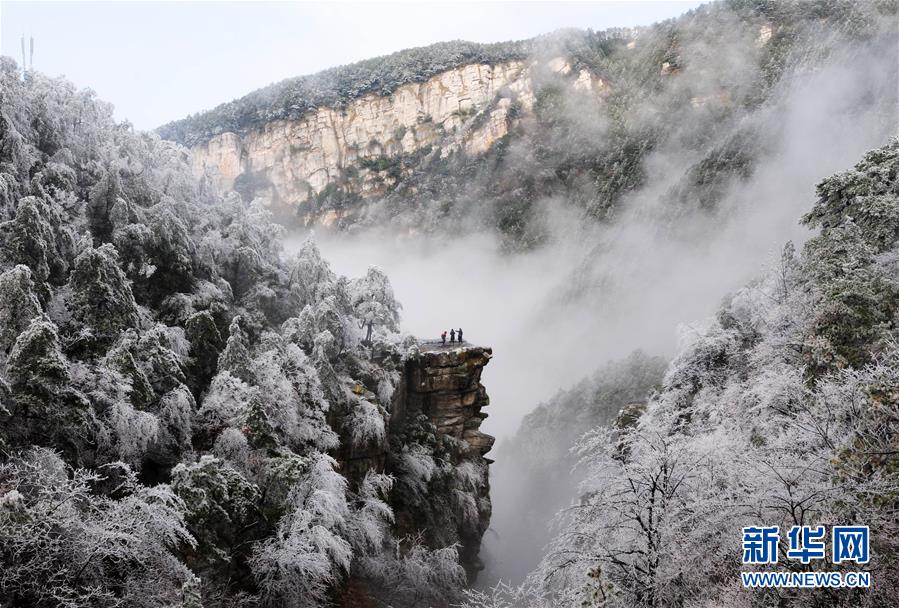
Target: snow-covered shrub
220 506
411 574
61 544
308 553
365 423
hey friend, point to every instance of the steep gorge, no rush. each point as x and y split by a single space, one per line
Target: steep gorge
156 332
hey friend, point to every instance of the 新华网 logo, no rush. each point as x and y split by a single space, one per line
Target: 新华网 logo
805 544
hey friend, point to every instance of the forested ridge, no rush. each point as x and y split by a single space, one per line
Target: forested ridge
334 87
603 51
708 86
176 392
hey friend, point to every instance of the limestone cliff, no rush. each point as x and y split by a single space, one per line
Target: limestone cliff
355 146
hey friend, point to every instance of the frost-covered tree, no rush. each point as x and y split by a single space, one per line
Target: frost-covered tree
311 278
101 302
223 405
45 409
28 239
412 574
289 385
160 352
308 553
176 414
235 358
132 432
19 304
206 345
221 509
36 362
626 531
257 424
365 424
62 544
372 516
172 252
372 299
156 250
866 194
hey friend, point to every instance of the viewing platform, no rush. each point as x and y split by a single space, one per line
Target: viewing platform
438 345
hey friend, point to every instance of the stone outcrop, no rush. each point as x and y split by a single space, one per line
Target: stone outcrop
442 386
445 385
288 162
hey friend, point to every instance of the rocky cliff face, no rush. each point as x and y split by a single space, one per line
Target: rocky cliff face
435 419
445 386
290 162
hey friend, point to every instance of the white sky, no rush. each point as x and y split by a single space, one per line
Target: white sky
158 61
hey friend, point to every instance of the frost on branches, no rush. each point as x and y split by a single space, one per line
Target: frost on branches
782 409
173 386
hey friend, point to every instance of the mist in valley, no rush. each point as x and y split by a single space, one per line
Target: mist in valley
680 241
596 293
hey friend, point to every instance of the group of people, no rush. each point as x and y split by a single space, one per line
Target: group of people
453 334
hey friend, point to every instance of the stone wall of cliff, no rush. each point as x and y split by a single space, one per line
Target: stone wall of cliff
467 109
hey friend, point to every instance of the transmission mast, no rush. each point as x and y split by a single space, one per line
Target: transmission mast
27 60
